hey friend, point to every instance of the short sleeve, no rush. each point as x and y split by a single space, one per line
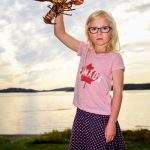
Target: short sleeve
118 62
81 49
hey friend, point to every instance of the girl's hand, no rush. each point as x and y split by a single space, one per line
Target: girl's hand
110 132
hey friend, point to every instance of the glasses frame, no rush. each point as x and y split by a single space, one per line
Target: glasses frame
99 29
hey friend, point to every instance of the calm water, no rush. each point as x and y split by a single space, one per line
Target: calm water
33 113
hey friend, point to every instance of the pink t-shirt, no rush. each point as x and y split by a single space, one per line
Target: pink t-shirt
94 80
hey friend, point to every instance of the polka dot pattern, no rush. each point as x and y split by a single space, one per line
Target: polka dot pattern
88 133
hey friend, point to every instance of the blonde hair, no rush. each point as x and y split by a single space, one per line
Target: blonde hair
113 44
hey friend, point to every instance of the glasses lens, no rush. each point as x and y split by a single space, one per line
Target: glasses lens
93 29
105 29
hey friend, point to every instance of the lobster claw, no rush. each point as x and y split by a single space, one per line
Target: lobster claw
48 20
52 1
78 2
42 0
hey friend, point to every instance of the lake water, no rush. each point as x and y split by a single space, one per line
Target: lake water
34 113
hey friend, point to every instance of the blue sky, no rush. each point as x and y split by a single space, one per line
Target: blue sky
32 57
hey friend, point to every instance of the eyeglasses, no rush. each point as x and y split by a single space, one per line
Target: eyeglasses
104 29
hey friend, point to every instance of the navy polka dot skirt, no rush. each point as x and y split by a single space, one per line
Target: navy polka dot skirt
88 133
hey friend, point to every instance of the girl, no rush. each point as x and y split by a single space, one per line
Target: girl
95 125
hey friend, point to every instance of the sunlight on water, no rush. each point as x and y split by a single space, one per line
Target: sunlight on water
33 113
135 112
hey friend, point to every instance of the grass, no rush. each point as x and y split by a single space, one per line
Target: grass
138 139
56 140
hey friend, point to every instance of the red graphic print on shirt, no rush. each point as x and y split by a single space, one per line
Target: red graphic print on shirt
88 74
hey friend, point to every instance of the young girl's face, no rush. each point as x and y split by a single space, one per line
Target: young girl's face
100 32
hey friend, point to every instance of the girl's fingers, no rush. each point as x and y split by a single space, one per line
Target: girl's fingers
109 139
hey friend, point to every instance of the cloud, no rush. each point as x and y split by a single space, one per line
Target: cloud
140 8
1 50
137 47
31 56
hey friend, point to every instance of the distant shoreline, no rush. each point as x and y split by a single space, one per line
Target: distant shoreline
145 86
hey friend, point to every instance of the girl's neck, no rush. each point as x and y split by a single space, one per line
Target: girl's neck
100 49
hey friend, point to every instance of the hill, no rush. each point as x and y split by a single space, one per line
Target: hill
145 86
12 90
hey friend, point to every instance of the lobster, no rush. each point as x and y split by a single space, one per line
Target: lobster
58 7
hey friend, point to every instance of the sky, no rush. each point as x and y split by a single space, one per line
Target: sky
32 57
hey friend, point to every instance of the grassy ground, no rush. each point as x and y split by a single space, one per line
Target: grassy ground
135 140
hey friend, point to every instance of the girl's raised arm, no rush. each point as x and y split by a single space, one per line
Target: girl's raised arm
60 33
